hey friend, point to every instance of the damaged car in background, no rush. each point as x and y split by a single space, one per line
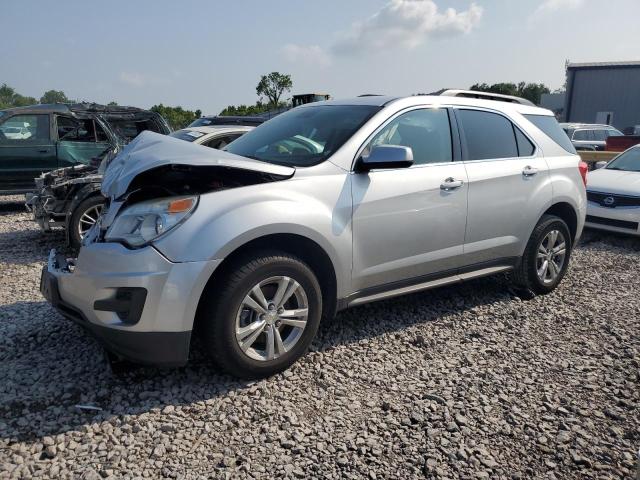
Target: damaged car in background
81 140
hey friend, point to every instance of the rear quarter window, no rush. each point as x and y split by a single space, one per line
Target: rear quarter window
550 127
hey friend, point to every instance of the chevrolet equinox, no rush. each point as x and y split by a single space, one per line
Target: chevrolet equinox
328 206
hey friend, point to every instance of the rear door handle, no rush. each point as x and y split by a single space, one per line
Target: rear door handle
451 184
529 171
43 151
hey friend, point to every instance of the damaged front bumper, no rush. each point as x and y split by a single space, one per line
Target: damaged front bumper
42 205
137 303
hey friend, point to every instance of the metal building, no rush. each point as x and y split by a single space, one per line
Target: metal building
606 93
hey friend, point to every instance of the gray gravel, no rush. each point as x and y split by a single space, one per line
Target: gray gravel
468 382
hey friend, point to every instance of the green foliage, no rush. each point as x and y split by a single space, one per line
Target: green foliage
112 104
244 110
54 96
531 91
9 98
273 86
176 117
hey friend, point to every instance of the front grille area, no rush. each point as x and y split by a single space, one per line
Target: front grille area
611 200
612 222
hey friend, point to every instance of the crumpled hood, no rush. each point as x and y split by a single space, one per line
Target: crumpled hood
150 150
606 180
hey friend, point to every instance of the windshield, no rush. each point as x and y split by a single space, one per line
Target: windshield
628 161
186 135
303 136
201 122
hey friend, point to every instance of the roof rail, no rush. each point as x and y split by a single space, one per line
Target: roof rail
485 96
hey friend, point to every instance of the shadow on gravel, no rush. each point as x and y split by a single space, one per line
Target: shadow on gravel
50 365
29 246
603 241
11 207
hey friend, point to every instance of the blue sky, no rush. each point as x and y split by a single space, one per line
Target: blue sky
208 54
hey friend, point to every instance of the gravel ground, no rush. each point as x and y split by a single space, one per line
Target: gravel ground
468 382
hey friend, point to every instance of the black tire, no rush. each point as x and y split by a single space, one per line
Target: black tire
223 299
74 224
525 275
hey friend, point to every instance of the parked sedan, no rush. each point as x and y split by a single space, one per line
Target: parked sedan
216 137
585 136
613 194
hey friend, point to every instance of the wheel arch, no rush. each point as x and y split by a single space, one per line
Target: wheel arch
302 247
568 213
80 195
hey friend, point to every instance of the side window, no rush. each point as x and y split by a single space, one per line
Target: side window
76 130
488 135
220 142
427 132
525 147
581 135
25 128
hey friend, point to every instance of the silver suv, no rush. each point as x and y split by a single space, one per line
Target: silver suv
328 206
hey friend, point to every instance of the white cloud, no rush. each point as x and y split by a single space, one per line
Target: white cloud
405 24
133 79
309 54
548 6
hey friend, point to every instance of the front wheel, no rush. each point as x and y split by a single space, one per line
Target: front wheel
84 216
262 315
546 258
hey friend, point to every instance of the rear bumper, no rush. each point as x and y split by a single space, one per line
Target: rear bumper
153 328
620 220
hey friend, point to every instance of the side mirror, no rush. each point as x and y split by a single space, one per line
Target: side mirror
386 156
600 164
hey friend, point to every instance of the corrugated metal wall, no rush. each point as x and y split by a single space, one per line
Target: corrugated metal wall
608 89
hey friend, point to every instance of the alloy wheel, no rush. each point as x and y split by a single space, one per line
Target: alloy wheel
88 219
272 318
551 256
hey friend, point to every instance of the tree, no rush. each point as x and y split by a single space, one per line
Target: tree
9 98
531 91
273 86
112 104
176 117
54 96
243 110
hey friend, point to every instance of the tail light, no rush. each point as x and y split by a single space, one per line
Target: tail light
584 168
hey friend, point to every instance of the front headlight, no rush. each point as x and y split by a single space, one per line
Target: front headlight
145 222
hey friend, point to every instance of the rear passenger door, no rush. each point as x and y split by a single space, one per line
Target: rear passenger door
584 139
508 186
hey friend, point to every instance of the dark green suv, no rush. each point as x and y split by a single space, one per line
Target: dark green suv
41 138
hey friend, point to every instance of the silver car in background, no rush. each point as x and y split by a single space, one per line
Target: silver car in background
328 206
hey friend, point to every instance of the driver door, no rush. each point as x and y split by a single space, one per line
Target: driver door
26 150
79 141
409 223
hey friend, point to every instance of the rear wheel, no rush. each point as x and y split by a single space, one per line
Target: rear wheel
261 317
84 216
546 258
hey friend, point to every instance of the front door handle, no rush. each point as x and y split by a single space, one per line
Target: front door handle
529 171
451 184
43 151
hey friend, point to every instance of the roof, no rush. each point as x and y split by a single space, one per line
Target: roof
374 101
76 107
411 100
219 129
584 125
598 65
233 119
